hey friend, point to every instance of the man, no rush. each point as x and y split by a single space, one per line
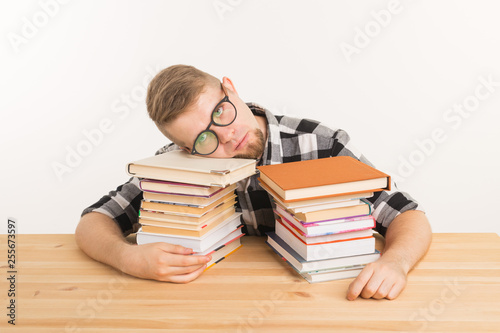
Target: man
204 116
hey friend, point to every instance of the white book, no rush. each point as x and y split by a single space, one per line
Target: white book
179 166
304 266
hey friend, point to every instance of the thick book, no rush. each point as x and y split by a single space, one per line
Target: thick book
326 250
187 200
198 244
302 266
179 166
323 177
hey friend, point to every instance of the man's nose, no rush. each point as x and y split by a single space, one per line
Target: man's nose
224 133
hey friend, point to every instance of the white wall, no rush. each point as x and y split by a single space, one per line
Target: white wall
85 64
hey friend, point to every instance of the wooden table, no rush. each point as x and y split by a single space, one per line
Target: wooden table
456 288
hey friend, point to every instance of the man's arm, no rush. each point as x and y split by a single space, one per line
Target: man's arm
101 239
407 239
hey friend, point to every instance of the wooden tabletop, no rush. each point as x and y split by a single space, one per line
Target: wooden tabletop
455 288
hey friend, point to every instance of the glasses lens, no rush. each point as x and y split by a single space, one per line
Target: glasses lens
205 143
224 114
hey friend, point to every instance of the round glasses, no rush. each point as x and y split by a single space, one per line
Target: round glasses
223 114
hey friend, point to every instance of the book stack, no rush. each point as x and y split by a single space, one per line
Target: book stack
323 220
190 201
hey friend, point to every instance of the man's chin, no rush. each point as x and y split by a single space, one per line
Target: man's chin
254 150
248 156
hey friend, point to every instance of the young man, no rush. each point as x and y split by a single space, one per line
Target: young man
204 116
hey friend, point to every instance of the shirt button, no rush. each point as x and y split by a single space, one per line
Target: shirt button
250 188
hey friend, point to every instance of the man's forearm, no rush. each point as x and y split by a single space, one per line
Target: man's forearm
407 239
101 239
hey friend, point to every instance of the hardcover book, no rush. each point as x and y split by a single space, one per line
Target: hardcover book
179 166
323 177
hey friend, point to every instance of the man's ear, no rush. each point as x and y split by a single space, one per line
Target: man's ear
229 84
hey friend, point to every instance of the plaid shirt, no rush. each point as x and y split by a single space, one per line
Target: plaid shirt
289 139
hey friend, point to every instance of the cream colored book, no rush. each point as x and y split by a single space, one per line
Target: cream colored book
179 166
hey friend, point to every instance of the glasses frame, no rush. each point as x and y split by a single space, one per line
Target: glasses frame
212 122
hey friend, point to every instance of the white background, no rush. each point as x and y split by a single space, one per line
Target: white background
67 69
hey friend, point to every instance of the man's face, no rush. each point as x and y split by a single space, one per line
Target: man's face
244 138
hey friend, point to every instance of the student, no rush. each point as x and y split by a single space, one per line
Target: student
205 116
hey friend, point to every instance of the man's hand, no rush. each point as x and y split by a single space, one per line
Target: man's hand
163 262
101 239
381 279
406 241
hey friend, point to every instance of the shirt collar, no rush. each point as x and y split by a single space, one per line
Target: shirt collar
273 151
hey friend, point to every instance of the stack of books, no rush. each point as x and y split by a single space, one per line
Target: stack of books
190 201
323 221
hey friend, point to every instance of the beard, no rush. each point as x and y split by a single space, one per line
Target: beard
254 149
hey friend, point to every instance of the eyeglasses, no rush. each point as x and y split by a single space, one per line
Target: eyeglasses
223 114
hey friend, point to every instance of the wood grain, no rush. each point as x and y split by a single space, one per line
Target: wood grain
455 288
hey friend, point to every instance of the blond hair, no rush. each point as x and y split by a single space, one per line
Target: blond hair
173 90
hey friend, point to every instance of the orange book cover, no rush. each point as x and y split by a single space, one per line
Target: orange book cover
321 177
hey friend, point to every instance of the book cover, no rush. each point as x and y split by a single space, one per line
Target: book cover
320 177
179 166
